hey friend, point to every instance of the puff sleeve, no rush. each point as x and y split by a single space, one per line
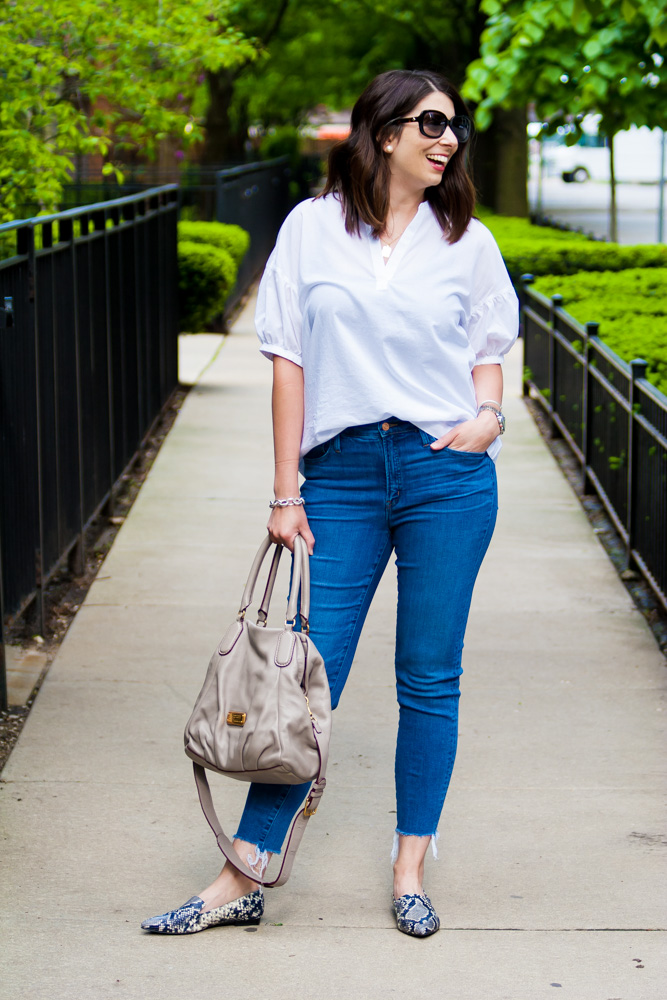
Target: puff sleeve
278 314
493 325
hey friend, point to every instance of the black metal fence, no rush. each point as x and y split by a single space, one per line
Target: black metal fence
257 198
88 358
612 418
196 186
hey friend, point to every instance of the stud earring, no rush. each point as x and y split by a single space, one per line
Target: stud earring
389 149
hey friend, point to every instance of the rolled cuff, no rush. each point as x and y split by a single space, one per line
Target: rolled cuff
270 350
489 359
494 326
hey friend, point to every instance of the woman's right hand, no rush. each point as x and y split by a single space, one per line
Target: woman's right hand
287 522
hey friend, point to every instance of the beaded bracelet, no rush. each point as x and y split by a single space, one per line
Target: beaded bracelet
287 502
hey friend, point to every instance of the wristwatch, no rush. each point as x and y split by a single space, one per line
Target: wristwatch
499 415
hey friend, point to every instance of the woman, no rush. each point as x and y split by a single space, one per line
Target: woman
386 309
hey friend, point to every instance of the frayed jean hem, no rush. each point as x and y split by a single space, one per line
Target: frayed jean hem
399 833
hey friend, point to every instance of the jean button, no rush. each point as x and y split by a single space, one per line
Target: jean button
385 426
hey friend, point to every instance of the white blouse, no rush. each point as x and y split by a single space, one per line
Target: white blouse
378 340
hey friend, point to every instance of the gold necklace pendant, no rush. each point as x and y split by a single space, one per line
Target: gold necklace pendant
386 251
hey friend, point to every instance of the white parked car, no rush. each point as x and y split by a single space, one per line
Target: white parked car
636 155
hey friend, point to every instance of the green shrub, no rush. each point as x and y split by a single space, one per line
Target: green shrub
538 250
509 227
544 257
630 306
233 239
623 288
189 213
206 275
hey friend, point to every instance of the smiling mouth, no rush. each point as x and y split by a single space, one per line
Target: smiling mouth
438 159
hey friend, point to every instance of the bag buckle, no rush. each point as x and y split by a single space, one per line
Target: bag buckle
236 718
313 800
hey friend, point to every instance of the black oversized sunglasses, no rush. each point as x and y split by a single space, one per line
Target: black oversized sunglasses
433 124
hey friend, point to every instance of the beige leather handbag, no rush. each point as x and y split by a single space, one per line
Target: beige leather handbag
264 711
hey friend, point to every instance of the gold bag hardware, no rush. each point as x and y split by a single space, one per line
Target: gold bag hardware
236 718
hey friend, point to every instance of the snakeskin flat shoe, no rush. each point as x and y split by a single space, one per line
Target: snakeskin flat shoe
415 915
189 918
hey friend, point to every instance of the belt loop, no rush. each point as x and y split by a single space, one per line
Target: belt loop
336 444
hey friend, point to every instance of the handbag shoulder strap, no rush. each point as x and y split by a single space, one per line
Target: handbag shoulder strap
296 832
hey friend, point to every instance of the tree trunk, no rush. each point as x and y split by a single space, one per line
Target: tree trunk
226 142
223 143
613 221
500 163
511 195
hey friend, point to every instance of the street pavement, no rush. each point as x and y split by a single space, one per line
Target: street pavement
586 206
551 873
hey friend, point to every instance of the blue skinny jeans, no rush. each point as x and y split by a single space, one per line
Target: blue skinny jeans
369 490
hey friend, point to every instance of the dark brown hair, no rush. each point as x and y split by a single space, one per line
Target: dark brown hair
359 171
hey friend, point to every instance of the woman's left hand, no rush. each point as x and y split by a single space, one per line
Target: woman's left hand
471 435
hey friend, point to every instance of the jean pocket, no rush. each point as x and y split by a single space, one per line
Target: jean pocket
319 452
427 439
460 451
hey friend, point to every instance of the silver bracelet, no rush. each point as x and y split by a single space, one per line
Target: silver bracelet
287 502
498 414
486 402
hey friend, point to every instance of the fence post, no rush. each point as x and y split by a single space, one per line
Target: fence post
526 281
220 196
77 558
556 303
3 672
100 226
590 330
638 369
29 237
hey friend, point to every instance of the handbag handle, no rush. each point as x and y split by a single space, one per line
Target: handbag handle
263 612
300 578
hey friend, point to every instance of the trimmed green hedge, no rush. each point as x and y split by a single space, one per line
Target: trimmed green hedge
538 250
233 239
630 306
209 255
509 227
541 258
206 275
623 288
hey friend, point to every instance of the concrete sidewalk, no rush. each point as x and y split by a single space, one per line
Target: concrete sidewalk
552 838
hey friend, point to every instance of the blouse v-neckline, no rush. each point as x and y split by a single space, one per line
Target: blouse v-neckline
385 270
